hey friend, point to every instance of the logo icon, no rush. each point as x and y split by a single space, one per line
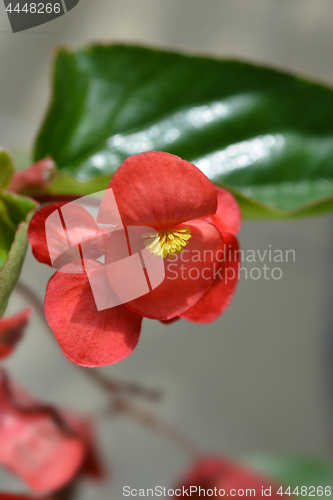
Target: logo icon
87 235
25 14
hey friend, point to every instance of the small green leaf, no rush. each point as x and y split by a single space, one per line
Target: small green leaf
293 472
6 169
265 134
15 215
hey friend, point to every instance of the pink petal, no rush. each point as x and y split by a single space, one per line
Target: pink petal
35 444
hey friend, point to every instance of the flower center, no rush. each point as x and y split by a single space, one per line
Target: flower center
166 243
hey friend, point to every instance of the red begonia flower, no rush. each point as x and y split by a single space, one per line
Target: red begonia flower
214 472
11 331
193 226
36 442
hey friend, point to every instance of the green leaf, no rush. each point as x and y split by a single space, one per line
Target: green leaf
15 215
265 134
293 472
6 169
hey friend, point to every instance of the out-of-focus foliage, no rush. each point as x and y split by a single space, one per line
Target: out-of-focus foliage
265 134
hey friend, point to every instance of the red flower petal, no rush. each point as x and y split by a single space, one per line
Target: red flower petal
37 235
161 190
228 217
61 245
11 331
186 277
214 472
35 444
88 337
218 297
169 321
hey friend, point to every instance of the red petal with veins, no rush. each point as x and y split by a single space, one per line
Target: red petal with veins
218 297
11 331
88 337
186 277
215 472
228 217
35 443
161 190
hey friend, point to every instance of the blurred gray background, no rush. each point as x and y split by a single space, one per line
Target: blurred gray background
256 380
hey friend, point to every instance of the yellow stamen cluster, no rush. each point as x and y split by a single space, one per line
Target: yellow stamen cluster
167 243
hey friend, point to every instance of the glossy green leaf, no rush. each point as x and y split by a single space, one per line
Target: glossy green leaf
293 472
15 215
265 134
6 169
